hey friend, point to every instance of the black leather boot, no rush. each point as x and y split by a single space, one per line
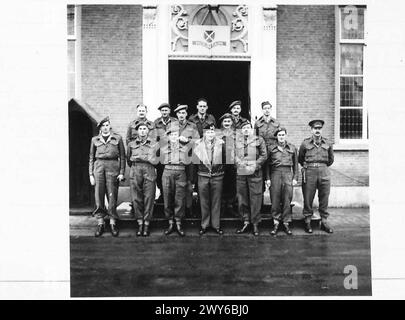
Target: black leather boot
99 230
140 229
146 232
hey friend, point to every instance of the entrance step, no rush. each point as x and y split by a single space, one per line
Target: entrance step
124 213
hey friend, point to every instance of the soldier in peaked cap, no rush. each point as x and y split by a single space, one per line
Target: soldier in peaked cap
106 169
202 119
281 177
141 112
142 158
234 109
315 156
161 124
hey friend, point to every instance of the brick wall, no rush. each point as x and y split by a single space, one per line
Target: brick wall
305 68
306 83
111 44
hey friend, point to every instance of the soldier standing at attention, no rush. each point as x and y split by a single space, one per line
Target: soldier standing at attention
211 154
283 173
176 158
106 169
202 119
250 156
142 158
132 133
235 108
315 156
161 125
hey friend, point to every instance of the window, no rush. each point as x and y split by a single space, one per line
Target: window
72 25
352 112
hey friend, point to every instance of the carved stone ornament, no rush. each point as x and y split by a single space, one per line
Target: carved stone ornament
239 24
179 23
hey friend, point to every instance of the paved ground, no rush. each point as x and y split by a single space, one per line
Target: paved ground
228 265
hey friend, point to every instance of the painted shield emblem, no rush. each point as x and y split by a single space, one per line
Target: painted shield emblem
209 35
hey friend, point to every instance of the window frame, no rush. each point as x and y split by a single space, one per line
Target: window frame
364 140
76 39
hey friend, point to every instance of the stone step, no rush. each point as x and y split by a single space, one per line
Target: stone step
124 213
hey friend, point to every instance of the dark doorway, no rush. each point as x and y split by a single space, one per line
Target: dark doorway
220 82
81 130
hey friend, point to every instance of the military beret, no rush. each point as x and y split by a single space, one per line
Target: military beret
244 123
226 115
103 121
266 103
141 124
280 129
164 105
313 123
235 103
210 125
181 107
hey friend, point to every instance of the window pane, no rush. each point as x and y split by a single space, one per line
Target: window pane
70 20
351 59
352 22
71 56
71 85
351 123
351 91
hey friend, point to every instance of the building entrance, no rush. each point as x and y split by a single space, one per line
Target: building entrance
220 82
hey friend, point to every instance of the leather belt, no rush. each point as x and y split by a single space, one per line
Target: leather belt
316 164
175 167
106 158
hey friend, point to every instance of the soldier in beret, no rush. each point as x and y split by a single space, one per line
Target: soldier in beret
106 170
315 156
210 152
163 121
188 135
161 125
142 158
132 133
202 119
227 134
250 156
234 109
283 174
176 158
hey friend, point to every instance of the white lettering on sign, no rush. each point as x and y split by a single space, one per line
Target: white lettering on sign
209 40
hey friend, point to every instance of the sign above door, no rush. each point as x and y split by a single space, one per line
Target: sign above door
208 31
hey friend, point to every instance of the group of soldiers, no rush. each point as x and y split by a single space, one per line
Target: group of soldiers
219 159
